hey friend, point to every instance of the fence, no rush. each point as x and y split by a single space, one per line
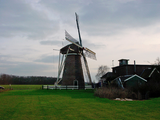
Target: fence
67 87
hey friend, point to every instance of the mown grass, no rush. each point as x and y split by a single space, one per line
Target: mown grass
72 105
22 87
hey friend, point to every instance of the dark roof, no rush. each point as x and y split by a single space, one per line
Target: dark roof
132 65
128 77
123 60
136 77
108 74
72 46
123 77
148 72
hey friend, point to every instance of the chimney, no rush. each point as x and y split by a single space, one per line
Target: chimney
134 67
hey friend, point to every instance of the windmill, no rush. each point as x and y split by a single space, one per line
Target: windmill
74 55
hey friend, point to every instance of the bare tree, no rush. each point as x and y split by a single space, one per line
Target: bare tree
157 62
103 69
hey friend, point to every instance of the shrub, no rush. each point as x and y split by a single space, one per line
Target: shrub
154 89
150 89
112 93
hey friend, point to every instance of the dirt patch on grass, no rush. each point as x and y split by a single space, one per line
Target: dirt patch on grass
4 90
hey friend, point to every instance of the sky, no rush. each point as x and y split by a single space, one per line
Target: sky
113 29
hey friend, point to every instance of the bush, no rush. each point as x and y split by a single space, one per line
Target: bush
149 90
112 93
153 88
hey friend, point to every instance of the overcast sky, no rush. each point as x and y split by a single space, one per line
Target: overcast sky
114 29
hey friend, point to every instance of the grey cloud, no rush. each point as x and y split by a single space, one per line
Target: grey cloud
96 17
4 58
128 50
26 68
128 13
48 59
91 45
50 42
29 69
101 20
106 17
65 8
20 19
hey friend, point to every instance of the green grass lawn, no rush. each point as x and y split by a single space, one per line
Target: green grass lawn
40 104
22 87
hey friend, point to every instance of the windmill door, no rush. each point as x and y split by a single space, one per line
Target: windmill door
75 82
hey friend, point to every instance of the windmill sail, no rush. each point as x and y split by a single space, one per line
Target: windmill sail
69 37
72 40
78 29
84 71
87 68
89 53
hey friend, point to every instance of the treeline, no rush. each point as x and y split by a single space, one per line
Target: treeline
34 80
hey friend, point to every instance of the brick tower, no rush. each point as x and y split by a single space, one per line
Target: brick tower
72 72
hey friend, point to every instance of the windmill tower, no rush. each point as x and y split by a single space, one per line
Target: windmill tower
74 55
